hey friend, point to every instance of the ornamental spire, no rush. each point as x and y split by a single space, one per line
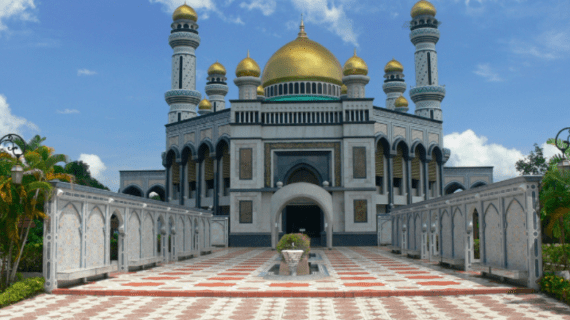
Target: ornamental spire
302 33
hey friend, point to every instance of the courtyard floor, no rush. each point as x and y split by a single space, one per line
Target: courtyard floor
364 283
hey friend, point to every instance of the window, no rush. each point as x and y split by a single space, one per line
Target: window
302 87
280 89
360 211
359 162
285 88
246 211
314 88
290 88
245 165
296 87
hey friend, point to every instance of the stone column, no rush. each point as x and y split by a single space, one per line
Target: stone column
390 186
425 179
50 254
167 185
182 182
216 185
408 163
199 183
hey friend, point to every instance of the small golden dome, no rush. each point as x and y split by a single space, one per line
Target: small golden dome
423 7
393 66
302 59
401 102
343 90
355 65
216 68
260 91
185 12
205 105
248 68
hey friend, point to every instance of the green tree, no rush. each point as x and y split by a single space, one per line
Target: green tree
555 200
24 202
80 170
533 164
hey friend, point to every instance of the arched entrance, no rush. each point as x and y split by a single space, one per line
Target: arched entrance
306 194
304 216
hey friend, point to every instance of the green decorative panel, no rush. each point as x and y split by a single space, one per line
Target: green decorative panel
246 212
245 164
359 162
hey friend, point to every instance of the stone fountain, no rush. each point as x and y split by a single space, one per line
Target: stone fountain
292 258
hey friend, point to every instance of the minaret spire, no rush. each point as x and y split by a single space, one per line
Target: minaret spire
302 33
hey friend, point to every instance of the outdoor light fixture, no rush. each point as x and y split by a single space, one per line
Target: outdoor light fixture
17 170
563 165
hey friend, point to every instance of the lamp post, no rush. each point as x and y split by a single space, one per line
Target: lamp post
17 170
563 165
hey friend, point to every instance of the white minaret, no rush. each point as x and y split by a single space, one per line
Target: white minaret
247 78
217 88
394 85
355 77
184 39
428 94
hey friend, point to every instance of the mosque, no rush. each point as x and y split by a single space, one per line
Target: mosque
303 148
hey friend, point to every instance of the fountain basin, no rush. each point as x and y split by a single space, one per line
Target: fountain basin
292 258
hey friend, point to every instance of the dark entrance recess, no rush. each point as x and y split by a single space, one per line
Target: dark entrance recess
308 217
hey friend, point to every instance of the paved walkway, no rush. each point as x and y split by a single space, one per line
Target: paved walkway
227 285
354 271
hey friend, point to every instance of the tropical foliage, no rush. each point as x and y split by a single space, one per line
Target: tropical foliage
22 203
21 290
533 164
80 171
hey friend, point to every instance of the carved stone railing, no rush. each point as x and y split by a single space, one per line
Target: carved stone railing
77 233
504 213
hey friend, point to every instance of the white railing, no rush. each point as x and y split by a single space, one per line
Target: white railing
78 230
441 229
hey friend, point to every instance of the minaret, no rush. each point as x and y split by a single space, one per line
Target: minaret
260 93
247 73
217 88
205 107
401 104
355 77
183 97
394 85
428 94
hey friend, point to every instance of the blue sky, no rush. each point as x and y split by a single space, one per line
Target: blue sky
91 76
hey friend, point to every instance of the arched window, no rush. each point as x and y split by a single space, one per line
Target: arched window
329 91
302 87
186 26
290 88
280 89
296 87
285 89
179 26
320 88
218 79
314 88
272 91
392 77
431 114
308 84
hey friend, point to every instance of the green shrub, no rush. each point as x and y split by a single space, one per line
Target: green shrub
553 257
556 286
21 290
476 248
300 241
32 258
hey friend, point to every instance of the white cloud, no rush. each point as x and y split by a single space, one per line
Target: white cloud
468 149
550 45
96 166
549 151
85 72
68 111
18 9
484 70
10 123
267 7
333 17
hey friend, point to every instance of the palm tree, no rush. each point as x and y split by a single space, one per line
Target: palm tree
24 202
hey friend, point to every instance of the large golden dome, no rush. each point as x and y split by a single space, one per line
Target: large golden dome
393 66
343 89
302 59
355 65
185 12
260 91
216 68
248 68
423 7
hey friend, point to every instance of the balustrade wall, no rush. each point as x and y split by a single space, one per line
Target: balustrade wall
504 216
78 231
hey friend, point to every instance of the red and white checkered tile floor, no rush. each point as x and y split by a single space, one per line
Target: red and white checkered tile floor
364 283
235 272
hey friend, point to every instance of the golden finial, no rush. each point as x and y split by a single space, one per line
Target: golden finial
302 33
248 53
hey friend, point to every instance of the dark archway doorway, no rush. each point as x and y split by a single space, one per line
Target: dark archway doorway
303 174
114 247
133 191
307 219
